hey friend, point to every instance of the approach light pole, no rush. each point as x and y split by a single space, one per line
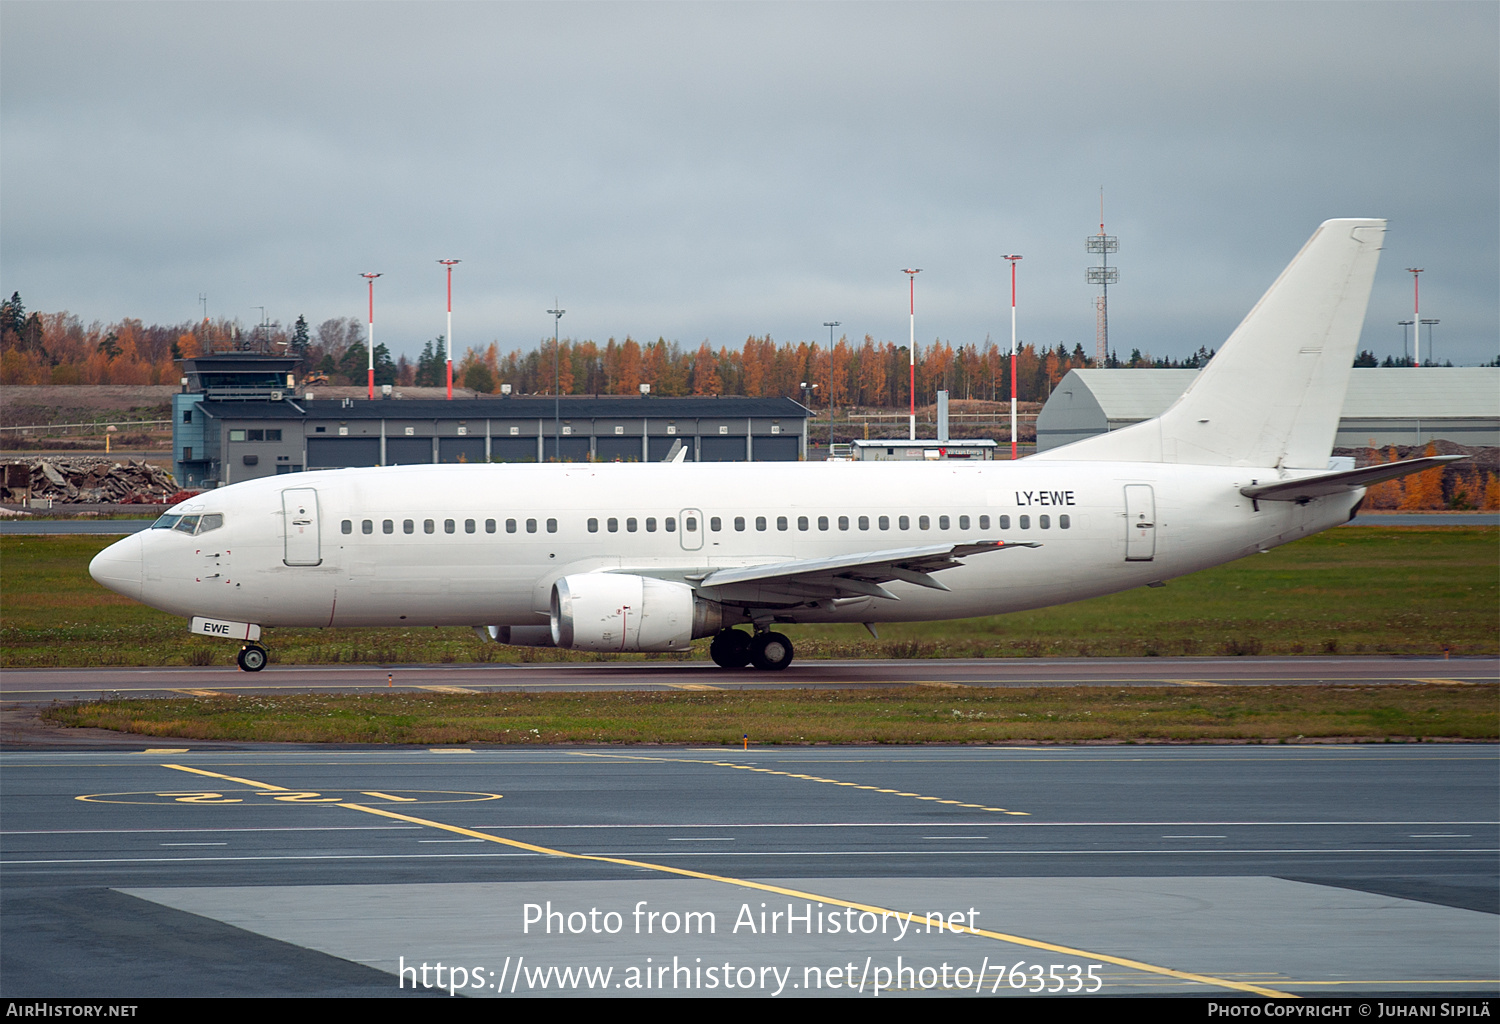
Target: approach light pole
828 395
912 351
1013 261
1416 315
449 336
557 315
370 347
1431 350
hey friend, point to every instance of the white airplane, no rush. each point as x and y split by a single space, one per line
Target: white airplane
649 557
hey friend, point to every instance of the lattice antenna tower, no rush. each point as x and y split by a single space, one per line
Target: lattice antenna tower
1103 275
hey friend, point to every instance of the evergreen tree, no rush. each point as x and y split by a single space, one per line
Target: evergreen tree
431 372
300 338
385 369
352 362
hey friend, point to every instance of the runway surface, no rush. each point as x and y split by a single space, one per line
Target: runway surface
29 685
1223 871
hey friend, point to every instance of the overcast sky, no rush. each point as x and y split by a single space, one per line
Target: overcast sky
710 171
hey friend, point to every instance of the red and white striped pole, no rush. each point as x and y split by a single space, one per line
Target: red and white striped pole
449 335
912 351
1013 261
370 353
1416 315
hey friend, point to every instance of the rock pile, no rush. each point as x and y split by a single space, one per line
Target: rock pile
88 480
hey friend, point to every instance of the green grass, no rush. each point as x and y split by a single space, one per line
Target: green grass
1075 714
1354 590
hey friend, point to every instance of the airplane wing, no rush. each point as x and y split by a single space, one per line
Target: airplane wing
1309 487
845 576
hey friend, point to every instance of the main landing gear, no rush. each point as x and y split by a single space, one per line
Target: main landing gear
767 651
252 657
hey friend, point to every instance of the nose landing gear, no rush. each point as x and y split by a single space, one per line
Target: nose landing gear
252 658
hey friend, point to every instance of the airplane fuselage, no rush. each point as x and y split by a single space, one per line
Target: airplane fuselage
483 544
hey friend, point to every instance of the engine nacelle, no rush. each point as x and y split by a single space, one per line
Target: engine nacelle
521 636
603 611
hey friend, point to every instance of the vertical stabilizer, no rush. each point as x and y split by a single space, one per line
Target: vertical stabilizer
1273 394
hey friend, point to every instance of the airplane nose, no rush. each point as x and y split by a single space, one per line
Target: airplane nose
118 566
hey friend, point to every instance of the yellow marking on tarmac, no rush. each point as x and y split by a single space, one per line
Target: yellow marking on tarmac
1191 682
1443 682
447 689
449 750
200 693
1018 940
165 750
229 778
387 796
809 778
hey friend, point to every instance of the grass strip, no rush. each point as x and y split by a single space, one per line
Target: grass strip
1071 714
1365 590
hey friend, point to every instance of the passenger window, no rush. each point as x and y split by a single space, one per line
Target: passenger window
468 526
367 526
963 522
885 522
739 523
449 526
1063 522
802 523
822 522
760 522
864 522
942 522
650 524
188 525
843 522
670 524
1045 522
387 526
510 526
1025 522
923 523
552 526
904 523
715 524
407 526
531 526
984 522
782 523
593 526
489 526
1005 522
612 524
429 526
212 522
630 525
347 526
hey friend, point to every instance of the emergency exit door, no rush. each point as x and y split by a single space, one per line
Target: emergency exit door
1140 523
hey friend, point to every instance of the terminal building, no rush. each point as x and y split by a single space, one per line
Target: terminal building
238 418
1383 406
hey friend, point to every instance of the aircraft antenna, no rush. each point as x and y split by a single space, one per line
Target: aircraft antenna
1103 275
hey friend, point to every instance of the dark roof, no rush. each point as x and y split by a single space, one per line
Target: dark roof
509 408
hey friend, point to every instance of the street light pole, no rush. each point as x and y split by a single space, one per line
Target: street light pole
1416 315
449 336
912 351
370 353
1013 261
828 396
556 385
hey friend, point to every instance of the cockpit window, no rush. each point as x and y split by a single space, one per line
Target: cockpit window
188 524
165 522
211 522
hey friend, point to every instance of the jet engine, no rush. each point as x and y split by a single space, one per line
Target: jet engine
619 612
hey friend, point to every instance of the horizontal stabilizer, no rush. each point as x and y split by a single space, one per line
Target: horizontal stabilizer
1309 487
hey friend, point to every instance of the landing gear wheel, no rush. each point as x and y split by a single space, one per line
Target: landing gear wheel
770 652
252 658
730 649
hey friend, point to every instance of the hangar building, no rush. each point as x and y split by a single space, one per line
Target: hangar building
1383 406
238 419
